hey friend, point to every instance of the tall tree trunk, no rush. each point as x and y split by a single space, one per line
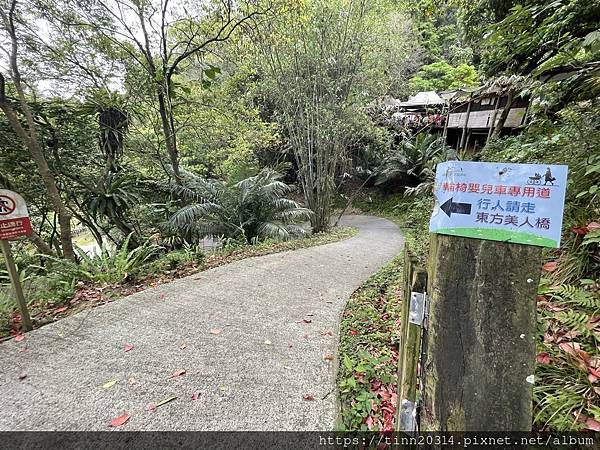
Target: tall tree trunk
29 136
42 247
30 140
162 93
502 119
166 118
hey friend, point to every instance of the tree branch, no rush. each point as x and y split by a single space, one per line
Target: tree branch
218 38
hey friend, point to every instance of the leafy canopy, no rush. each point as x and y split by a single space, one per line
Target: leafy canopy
440 76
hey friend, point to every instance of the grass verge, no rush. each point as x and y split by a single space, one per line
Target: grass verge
370 326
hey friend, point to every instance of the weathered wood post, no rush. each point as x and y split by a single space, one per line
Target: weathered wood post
490 220
409 263
481 335
16 283
415 281
492 123
410 348
463 136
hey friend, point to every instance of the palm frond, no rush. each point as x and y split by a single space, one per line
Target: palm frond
189 214
293 215
273 230
252 208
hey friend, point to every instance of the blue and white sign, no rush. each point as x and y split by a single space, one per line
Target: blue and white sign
519 203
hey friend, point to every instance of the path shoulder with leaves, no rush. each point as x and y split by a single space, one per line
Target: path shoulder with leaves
250 345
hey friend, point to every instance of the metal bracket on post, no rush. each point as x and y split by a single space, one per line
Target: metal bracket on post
408 415
416 312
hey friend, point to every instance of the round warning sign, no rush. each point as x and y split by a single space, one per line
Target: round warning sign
14 217
7 205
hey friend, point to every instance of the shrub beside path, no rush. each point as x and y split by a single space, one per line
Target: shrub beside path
250 345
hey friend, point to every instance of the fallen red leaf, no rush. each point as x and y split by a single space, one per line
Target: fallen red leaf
568 347
19 337
543 358
592 424
352 332
384 394
593 226
178 373
580 230
369 422
119 420
550 266
151 407
388 424
593 371
308 397
554 308
23 349
128 347
59 310
195 395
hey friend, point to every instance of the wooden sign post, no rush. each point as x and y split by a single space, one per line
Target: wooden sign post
490 222
480 358
14 222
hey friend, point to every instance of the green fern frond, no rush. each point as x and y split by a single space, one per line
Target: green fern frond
574 296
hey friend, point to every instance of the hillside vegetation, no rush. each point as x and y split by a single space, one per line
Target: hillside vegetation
143 134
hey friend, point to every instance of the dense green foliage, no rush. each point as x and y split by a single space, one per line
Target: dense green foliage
540 35
413 162
250 210
134 129
441 76
566 392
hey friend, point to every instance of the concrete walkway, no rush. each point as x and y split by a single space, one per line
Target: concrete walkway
252 337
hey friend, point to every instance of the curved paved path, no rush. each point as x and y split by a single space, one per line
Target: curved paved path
252 375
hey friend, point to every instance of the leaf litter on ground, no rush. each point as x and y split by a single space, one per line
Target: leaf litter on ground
109 384
117 422
178 373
